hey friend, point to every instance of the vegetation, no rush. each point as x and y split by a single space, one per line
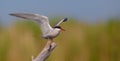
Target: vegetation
80 42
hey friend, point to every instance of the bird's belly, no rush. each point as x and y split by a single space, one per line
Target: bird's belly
51 35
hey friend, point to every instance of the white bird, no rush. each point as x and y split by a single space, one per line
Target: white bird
48 32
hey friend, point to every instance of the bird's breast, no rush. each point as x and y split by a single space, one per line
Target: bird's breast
52 34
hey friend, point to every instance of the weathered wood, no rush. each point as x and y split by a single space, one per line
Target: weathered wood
45 53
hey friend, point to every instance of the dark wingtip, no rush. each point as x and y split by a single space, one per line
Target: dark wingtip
17 15
65 19
12 14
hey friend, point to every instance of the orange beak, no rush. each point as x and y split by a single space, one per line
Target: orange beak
62 29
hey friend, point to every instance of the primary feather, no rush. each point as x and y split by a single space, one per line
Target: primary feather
41 19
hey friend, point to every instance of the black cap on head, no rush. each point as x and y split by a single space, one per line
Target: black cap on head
57 27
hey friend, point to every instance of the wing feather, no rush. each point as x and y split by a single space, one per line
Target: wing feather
41 19
63 20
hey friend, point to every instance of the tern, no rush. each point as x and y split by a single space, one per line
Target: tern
48 32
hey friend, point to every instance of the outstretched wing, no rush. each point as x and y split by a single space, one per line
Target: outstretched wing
41 19
63 20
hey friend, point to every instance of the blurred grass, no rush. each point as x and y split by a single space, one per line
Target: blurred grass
80 42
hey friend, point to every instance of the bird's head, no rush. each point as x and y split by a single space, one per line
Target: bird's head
59 27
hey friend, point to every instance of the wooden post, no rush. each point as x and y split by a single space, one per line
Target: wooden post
45 53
